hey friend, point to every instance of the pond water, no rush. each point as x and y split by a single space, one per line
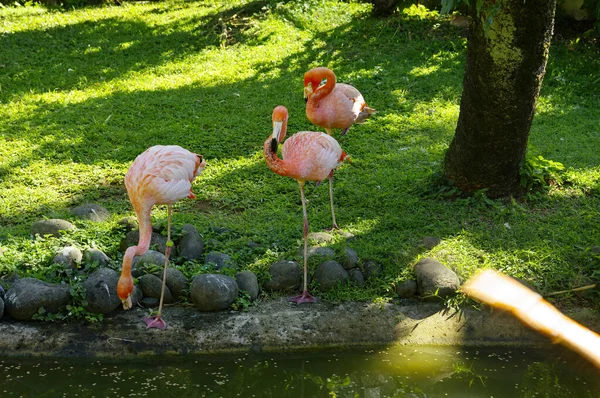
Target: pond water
372 373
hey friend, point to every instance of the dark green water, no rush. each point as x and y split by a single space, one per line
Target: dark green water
375 373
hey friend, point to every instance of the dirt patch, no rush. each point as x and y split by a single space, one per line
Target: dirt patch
272 326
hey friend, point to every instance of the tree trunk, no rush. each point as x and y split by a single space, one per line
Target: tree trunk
506 61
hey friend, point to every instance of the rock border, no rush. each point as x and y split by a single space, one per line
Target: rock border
273 326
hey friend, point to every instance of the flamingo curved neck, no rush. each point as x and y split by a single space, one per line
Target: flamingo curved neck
145 227
125 283
326 88
130 253
275 163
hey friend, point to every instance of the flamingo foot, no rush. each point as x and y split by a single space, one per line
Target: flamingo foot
305 297
334 227
155 321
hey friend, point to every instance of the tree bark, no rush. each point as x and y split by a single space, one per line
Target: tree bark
506 62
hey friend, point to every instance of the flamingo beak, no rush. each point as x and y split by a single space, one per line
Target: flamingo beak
308 90
201 164
277 127
127 303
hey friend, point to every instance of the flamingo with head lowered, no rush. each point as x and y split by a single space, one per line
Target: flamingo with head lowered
333 105
161 175
306 156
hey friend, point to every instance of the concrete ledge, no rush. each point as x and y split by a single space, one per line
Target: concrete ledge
272 326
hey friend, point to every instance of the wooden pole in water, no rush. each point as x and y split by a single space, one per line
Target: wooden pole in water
506 293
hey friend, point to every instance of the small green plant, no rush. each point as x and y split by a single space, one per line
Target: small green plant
243 301
460 368
540 173
75 310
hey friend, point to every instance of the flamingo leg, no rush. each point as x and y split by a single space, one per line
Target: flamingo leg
156 321
305 297
334 223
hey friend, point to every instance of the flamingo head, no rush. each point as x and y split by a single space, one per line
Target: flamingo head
308 90
124 291
200 164
313 79
280 118
344 158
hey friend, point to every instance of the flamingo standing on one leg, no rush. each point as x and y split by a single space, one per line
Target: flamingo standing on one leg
306 156
160 175
332 106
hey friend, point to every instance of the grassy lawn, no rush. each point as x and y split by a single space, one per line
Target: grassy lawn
83 92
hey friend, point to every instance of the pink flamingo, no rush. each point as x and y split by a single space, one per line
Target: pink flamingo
332 106
306 156
160 175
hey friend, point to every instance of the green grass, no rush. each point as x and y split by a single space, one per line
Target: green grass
84 91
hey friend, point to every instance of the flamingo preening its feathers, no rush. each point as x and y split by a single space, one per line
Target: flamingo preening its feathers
333 105
161 175
306 156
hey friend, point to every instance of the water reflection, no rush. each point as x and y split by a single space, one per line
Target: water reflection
389 372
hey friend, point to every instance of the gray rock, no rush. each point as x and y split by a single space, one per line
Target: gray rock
101 291
149 302
176 282
150 260
128 223
220 260
69 257
320 237
213 292
151 286
27 295
285 275
330 273
372 270
349 258
406 289
132 238
433 276
95 256
52 227
191 245
136 296
319 252
248 282
91 211
431 241
7 281
347 235
357 277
